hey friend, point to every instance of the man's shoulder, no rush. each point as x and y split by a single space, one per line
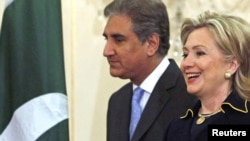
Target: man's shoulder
126 88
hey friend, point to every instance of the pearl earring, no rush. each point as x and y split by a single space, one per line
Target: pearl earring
227 75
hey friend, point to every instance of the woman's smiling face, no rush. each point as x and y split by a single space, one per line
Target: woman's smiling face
203 65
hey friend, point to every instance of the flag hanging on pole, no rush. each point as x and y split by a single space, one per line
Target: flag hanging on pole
33 100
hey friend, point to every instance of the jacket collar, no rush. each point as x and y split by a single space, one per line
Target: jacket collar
232 102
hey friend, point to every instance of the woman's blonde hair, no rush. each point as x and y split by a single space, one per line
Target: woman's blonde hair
232 36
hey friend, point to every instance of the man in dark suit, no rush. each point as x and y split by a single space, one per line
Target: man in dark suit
137 42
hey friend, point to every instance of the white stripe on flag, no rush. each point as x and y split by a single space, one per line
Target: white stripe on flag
35 117
7 3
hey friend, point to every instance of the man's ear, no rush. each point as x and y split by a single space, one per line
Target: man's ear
153 43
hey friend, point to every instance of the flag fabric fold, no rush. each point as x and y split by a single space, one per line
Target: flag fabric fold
33 97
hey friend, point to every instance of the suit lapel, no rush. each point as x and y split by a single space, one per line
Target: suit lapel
157 100
127 111
156 104
122 117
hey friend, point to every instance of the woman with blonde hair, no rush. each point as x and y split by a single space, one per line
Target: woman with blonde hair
216 68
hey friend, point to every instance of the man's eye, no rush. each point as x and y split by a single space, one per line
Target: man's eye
118 40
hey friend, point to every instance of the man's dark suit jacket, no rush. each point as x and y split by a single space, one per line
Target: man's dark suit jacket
169 99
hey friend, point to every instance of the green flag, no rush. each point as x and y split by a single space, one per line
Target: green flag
33 101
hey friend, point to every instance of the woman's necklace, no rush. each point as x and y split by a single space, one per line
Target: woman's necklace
203 117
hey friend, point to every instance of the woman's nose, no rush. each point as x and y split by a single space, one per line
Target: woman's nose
187 62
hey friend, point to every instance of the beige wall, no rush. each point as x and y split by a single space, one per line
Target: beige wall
88 79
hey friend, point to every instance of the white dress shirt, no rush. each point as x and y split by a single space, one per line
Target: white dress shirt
149 83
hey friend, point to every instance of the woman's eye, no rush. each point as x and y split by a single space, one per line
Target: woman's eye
200 53
184 55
